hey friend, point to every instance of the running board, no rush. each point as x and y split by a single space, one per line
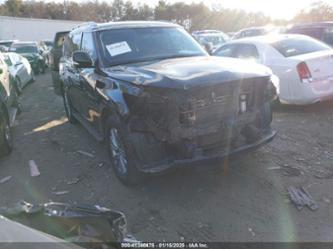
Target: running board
88 127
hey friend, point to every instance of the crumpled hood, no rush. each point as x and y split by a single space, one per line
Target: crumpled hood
187 72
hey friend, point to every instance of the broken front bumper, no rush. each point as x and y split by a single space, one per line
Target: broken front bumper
217 154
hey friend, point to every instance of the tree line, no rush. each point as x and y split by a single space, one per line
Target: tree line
194 16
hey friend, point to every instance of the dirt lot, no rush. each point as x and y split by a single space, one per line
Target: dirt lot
243 200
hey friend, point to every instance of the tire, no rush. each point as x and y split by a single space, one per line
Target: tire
17 104
121 153
68 108
18 86
33 78
6 138
266 116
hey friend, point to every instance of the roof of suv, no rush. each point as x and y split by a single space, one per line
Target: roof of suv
314 24
125 24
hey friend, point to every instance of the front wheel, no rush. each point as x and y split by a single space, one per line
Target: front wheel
68 107
6 139
122 155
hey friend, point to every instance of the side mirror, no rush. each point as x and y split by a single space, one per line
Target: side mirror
82 59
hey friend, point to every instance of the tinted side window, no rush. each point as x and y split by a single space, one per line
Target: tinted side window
76 41
88 45
226 51
72 44
246 51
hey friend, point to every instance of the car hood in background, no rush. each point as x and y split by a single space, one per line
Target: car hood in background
187 72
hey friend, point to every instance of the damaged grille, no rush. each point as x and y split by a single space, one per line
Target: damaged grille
175 114
202 105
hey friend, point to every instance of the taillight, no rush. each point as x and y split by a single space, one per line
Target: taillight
304 72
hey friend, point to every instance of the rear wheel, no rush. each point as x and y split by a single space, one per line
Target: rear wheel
6 139
68 107
122 155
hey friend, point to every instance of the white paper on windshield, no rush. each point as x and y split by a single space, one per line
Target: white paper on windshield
118 48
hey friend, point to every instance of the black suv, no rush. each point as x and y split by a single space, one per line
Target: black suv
158 99
320 30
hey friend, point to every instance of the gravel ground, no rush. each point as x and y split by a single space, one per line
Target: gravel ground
242 200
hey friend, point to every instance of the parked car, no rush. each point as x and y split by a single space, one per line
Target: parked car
320 30
7 43
303 64
9 107
55 54
20 70
250 32
211 41
157 99
33 53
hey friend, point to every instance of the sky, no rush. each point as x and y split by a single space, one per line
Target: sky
284 9
280 9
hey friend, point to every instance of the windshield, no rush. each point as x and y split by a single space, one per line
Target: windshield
297 46
24 49
122 46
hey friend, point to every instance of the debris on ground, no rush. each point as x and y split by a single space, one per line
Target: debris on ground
33 168
5 179
85 153
301 198
61 192
274 168
101 164
324 174
251 231
287 170
291 171
73 181
325 199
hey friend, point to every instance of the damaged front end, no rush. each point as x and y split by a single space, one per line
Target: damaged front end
198 123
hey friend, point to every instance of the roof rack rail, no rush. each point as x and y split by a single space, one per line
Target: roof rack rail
86 24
